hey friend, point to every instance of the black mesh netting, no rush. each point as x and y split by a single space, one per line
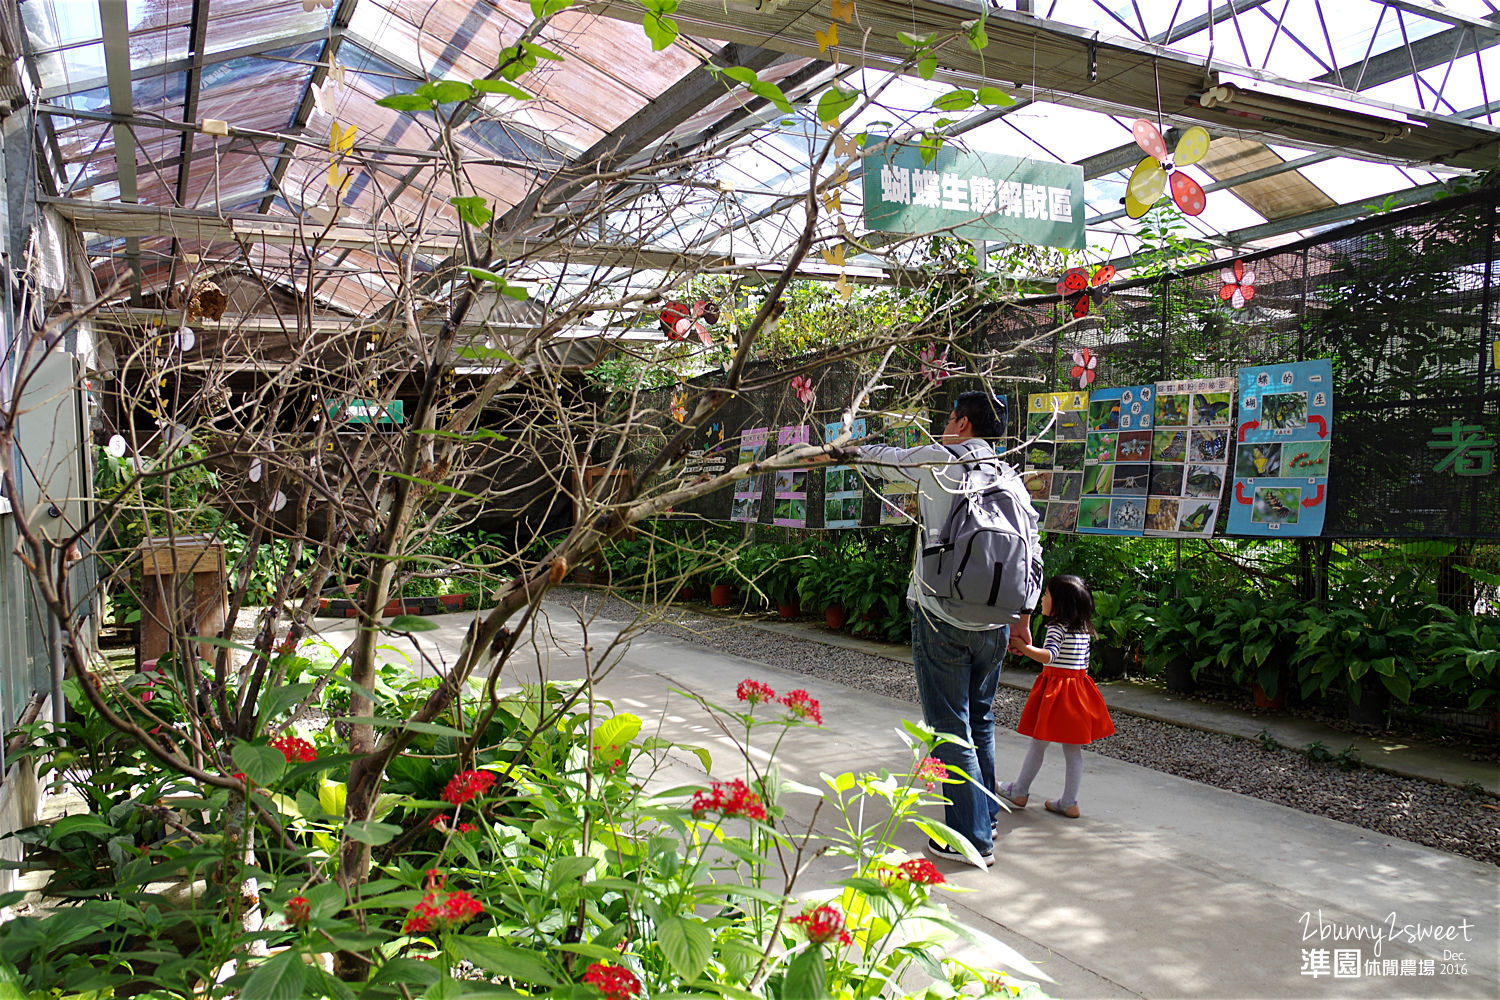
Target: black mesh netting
1404 305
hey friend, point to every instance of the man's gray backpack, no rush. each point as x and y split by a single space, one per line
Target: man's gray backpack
985 565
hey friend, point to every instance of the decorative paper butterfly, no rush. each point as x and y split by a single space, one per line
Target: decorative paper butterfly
1239 285
1149 179
679 319
1084 363
934 365
803 387
1079 289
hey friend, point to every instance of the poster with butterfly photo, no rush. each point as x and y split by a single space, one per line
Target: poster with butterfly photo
898 501
1117 461
843 486
791 484
1056 439
747 492
1190 446
1282 432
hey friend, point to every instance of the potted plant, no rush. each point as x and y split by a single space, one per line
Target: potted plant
1465 661
1174 641
824 582
779 582
1120 621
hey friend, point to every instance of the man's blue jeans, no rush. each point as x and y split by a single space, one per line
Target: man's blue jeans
958 672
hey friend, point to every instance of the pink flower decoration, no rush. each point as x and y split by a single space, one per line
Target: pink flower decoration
934 365
1239 285
1084 363
803 387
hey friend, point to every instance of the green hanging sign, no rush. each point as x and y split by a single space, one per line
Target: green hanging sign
365 411
982 196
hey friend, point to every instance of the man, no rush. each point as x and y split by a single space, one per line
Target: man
957 662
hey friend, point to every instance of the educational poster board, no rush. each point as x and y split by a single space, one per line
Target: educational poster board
898 501
843 487
1056 436
791 484
747 492
1190 456
1117 461
1281 455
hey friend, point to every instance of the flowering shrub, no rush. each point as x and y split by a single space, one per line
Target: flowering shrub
571 880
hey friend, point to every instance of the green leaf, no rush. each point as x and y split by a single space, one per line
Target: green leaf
502 960
278 978
661 30
478 352
954 100
994 97
914 41
687 944
446 91
278 700
261 764
977 37
533 49
405 102
368 831
502 87
615 732
807 976
568 869
546 8
927 67
82 823
931 143
380 722
406 970
835 101
412 623
473 210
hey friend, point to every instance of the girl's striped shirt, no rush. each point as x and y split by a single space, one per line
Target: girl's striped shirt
1070 650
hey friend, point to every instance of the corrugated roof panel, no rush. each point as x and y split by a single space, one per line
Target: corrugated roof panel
233 23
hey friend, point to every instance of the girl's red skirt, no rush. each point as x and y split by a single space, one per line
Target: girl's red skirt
1065 706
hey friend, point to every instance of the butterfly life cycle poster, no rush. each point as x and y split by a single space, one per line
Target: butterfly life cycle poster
747 491
1189 456
1281 454
1117 461
898 501
791 484
843 487
1056 437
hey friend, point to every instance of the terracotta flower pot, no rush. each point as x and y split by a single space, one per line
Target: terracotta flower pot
687 593
1179 676
836 616
720 595
791 610
1263 700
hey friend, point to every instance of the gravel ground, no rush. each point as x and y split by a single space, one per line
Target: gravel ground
1439 816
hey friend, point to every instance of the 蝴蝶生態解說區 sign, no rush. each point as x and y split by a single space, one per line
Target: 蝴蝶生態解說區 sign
984 196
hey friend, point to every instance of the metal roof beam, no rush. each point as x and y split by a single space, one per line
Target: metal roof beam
115 20
1177 32
183 64
1403 61
1426 9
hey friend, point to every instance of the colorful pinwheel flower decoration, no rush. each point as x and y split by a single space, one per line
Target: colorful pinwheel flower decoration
934 364
679 320
1077 288
1084 363
803 388
1239 285
679 408
1149 179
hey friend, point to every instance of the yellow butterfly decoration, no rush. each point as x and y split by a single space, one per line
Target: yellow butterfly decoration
834 257
844 288
828 39
339 180
845 145
844 10
833 201
341 140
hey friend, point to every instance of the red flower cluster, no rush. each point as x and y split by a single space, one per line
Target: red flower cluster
732 798
298 911
823 925
466 785
441 910
802 705
295 750
920 871
754 692
614 982
467 828
932 771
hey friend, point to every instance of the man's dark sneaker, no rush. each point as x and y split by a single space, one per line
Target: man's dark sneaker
938 852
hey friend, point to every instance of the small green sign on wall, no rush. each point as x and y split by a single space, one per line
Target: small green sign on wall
983 196
364 411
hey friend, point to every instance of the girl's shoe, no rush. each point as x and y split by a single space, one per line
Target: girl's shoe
1069 811
1005 789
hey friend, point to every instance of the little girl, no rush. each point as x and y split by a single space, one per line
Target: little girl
1064 706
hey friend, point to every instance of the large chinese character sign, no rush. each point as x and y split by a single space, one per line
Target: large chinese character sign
1281 452
983 196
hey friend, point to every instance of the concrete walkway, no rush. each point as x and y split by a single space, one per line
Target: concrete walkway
1167 888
